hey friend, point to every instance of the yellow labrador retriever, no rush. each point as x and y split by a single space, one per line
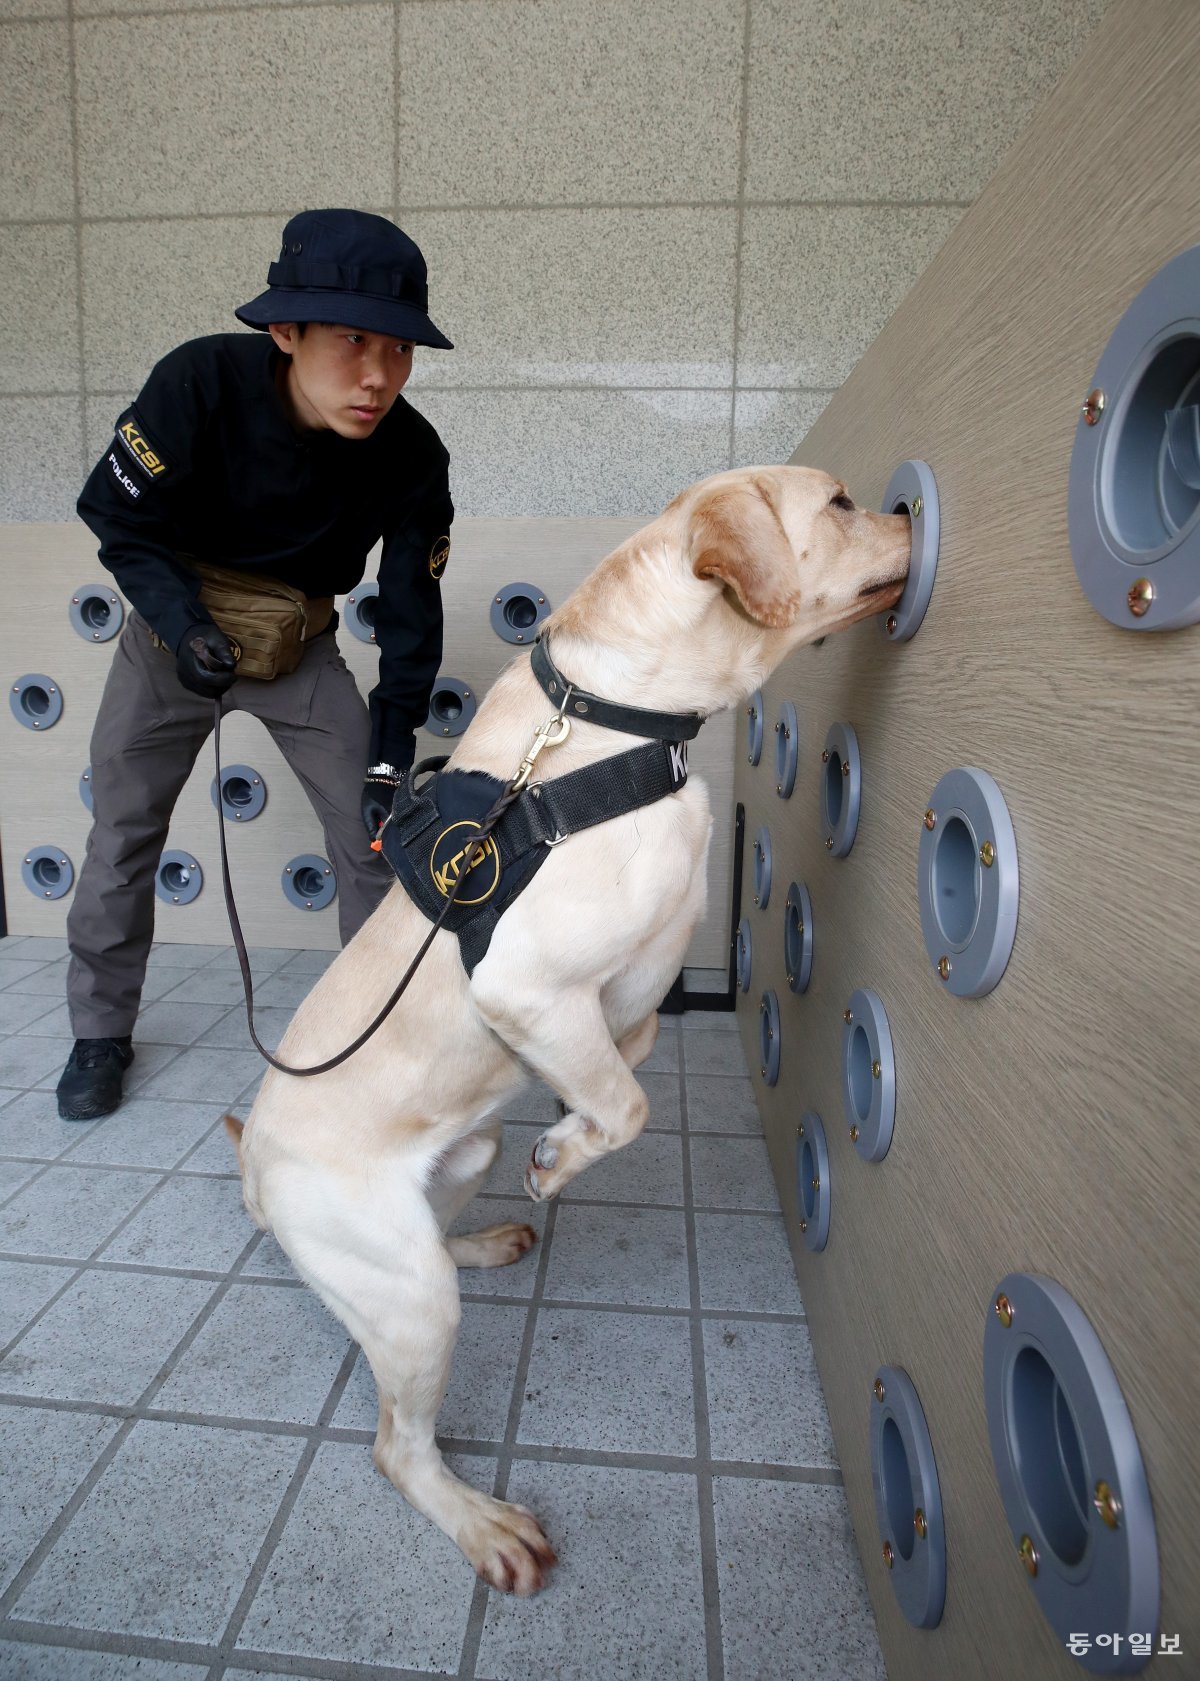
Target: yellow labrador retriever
359 1171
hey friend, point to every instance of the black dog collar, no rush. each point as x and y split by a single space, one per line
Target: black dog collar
634 720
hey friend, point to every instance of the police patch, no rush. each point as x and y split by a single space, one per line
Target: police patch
439 554
139 447
450 852
133 491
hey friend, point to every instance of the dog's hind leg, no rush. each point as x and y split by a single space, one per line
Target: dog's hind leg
459 1176
379 1263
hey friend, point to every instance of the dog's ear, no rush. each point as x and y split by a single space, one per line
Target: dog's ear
736 536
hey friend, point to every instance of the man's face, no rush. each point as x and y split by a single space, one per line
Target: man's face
342 378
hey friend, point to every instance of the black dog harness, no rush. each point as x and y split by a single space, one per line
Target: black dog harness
429 837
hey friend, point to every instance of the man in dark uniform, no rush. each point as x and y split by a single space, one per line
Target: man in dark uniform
280 460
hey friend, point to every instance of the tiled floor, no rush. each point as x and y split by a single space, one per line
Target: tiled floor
186 1485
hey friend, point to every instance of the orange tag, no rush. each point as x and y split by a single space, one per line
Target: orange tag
377 846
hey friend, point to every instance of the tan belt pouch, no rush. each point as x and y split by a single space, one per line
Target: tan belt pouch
268 620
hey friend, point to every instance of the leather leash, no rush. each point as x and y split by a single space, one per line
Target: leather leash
513 792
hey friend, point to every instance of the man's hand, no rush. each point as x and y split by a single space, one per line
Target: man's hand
205 662
378 792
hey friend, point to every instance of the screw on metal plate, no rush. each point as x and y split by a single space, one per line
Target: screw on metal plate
917 505
1140 596
816 1184
877 1069
847 1016
891 624
845 769
880 1391
1093 406
944 967
1029 1556
889 1557
825 755
987 855
829 843
920 1524
931 819
1107 1504
854 1135
1005 1312
804 1225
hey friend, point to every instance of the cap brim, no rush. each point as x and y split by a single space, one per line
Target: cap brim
344 309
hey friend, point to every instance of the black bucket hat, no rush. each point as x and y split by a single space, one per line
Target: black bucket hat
352 268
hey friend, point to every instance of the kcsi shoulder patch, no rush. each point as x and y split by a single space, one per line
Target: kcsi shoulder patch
136 445
439 554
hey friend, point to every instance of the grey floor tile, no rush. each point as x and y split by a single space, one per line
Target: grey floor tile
220 1075
24 1060
209 985
217 1153
722 1103
29 1126
49 982
714 1053
19 1010
148 1060
481 1378
264 1353
28 1662
285 991
822 1628
665 1055
765 1402
268 1261
517 1279
628 1545
308 963
388 1588
46 1455
70 1210
233 1033
745 1264
40 946
25 1287
635 1257
54 1023
264 960
165 954
174 1022
663 1092
650 1170
732 1173
709 1021
143 1133
536 1105
186 1223
13 970
119 1566
81 1348
13 1175
613 1382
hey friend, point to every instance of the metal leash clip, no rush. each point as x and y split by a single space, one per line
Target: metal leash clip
550 734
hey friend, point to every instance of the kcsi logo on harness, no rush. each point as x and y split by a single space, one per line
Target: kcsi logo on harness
450 852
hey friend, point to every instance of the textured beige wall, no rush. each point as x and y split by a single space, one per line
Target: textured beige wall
1050 1126
660 233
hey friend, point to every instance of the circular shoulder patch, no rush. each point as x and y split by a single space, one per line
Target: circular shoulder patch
439 554
450 852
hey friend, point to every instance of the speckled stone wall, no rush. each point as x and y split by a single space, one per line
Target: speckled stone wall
660 232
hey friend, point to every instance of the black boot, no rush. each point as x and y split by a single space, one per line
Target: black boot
91 1081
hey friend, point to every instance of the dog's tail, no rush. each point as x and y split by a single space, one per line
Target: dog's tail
235 1129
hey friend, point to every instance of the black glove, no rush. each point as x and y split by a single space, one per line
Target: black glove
205 661
378 792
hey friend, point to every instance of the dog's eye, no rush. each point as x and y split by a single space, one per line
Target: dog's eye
842 501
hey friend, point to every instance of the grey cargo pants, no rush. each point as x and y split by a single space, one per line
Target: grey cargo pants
148 732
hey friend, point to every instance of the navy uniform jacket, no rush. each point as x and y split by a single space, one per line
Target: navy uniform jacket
206 463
